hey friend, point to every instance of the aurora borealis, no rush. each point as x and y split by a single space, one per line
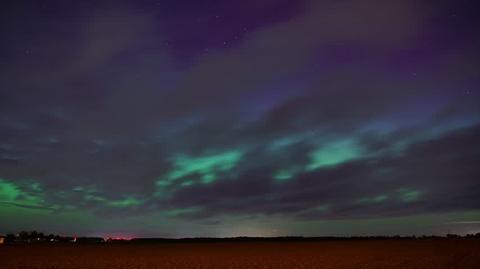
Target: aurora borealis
227 118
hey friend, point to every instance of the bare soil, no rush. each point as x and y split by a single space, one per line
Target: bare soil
440 253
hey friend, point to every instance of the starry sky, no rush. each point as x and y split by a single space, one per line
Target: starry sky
226 118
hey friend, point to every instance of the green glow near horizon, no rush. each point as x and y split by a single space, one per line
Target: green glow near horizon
409 195
283 175
207 167
123 203
333 154
322 208
92 195
13 193
327 155
283 142
8 191
375 199
187 183
179 211
286 141
70 222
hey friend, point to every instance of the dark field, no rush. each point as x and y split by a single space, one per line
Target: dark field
445 253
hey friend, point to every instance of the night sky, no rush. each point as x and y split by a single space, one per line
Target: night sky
227 118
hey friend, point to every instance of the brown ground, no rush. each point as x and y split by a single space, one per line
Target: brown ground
451 253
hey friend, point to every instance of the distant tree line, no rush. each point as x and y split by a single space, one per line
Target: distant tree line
296 238
38 237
